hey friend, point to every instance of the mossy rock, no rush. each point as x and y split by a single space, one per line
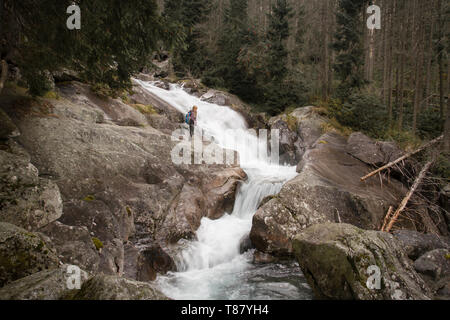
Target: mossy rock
145 109
52 95
43 285
22 253
102 287
335 259
292 122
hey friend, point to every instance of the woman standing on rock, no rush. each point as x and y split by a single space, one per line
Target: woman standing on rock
192 116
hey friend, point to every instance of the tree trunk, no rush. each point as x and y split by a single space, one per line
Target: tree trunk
447 130
429 55
4 74
418 92
441 61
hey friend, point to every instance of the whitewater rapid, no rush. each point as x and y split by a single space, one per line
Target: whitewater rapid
212 267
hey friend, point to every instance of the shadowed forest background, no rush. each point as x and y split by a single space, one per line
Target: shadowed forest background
276 55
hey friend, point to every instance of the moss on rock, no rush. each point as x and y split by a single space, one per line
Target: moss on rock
22 253
98 244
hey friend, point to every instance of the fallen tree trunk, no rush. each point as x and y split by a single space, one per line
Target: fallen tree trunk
4 74
387 217
409 154
409 195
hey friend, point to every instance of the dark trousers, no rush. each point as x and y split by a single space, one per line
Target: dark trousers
191 127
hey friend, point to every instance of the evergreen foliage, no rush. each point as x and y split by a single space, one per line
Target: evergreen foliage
189 57
348 46
116 39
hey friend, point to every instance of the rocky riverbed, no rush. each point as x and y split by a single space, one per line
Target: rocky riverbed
88 181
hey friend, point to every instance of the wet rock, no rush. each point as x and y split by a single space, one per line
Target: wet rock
290 149
141 96
263 258
245 244
416 244
216 97
43 285
220 191
327 189
208 193
145 77
22 253
151 261
335 259
184 216
103 287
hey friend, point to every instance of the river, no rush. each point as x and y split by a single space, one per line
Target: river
211 267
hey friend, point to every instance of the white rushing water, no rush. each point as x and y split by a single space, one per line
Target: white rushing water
212 267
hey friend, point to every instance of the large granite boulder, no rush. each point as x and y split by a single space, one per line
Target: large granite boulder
206 193
45 285
416 244
73 245
376 153
434 266
341 261
27 200
299 130
151 261
113 172
103 287
327 189
23 253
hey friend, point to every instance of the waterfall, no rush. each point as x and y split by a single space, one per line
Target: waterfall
212 267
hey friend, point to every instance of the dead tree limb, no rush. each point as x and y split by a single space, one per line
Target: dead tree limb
408 196
409 154
387 217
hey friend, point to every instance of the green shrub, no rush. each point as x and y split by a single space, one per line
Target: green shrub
361 112
441 168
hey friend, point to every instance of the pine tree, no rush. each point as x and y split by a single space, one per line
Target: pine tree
115 40
276 39
190 57
235 53
348 46
278 95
